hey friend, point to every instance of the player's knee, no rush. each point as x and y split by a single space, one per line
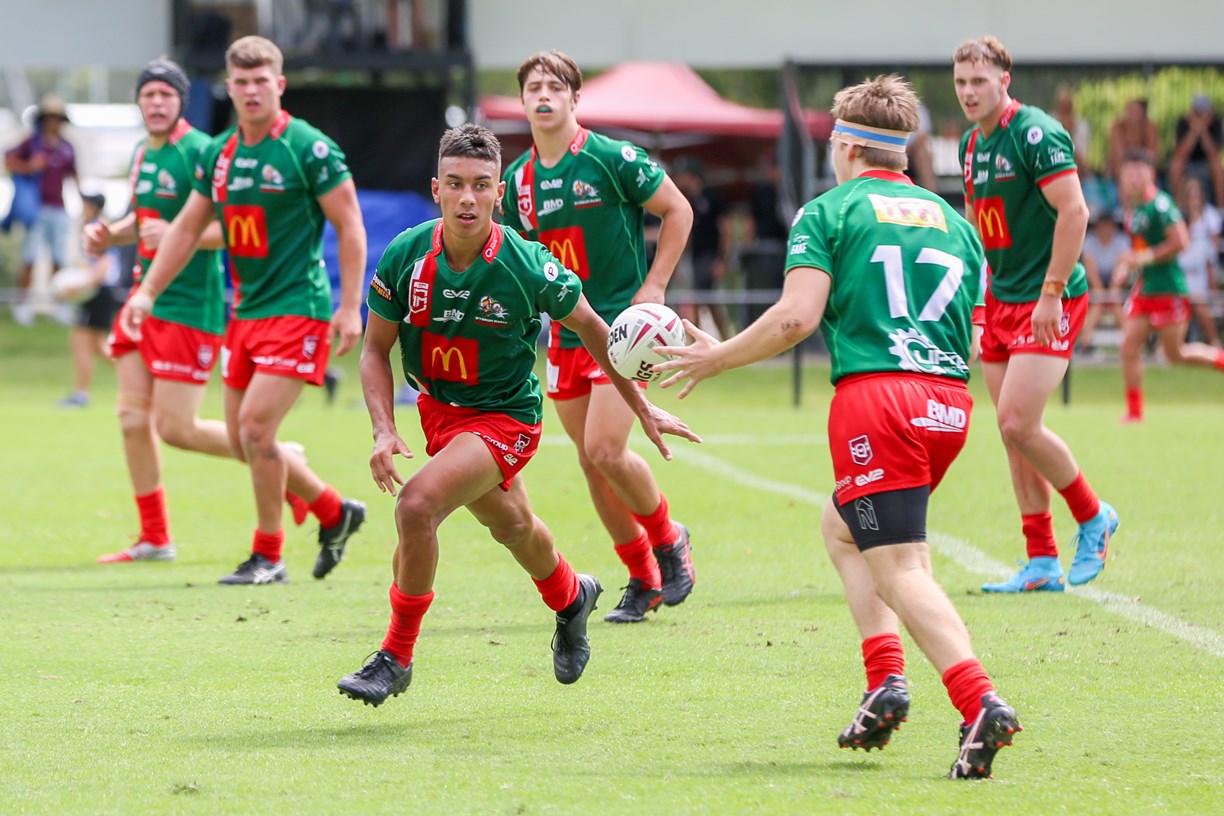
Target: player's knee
133 413
606 456
173 431
1016 428
415 509
512 532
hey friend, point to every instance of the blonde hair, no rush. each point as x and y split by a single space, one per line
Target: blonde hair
254 52
884 102
984 49
554 63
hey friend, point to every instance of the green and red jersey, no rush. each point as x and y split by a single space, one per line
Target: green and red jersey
907 272
1148 225
1004 173
161 182
469 338
266 197
587 210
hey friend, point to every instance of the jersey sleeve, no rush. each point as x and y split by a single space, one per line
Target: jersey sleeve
384 297
638 175
324 165
810 243
1167 212
201 181
556 288
1047 150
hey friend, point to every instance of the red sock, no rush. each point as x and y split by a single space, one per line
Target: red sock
154 521
405 626
658 525
1081 499
1039 535
327 507
1219 360
269 545
966 683
561 588
638 557
299 507
882 656
1134 399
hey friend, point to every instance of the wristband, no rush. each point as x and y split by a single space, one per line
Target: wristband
1054 288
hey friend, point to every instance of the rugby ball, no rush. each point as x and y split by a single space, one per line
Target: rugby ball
633 336
73 284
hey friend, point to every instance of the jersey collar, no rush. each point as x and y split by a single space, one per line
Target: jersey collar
887 175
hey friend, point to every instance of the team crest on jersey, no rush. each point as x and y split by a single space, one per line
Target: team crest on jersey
310 344
585 195
273 181
492 313
1003 168
860 450
204 356
166 186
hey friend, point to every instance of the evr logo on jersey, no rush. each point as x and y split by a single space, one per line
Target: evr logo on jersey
860 450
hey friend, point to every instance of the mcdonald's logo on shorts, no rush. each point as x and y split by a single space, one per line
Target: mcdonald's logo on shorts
455 359
992 223
569 246
246 230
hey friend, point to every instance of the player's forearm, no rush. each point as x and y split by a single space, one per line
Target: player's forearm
212 238
780 328
351 247
1069 229
123 231
175 250
378 387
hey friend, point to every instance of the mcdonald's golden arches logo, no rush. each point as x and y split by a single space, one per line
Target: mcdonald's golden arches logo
246 230
569 246
454 359
992 223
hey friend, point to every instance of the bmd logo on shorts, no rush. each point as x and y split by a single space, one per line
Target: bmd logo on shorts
860 450
942 417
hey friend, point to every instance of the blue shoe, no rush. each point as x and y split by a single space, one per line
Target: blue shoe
77 399
1042 574
1092 546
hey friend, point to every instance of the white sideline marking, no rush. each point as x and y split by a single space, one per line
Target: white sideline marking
974 560
759 440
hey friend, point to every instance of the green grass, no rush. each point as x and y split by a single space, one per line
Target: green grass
148 688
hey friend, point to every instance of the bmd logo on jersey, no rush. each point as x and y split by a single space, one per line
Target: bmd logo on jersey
992 223
450 359
246 230
569 247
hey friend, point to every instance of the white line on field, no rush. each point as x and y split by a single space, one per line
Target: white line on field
759 440
974 560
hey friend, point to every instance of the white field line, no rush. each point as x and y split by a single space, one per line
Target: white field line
964 554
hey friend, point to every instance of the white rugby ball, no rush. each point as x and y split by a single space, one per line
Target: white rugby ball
73 284
635 333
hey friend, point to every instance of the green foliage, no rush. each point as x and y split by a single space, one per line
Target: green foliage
147 688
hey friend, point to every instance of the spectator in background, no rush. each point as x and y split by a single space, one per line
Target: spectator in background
1133 130
1201 260
708 245
767 224
1200 133
92 322
921 169
49 156
1104 246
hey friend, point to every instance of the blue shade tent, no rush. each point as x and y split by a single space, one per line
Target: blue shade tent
386 215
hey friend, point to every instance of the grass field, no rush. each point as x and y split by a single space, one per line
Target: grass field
148 688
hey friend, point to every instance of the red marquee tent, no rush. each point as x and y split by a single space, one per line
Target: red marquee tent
668 109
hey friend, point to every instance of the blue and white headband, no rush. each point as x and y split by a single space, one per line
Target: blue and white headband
868 136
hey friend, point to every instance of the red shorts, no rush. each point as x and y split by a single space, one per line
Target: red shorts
289 346
171 351
511 442
1160 310
571 372
1009 329
895 431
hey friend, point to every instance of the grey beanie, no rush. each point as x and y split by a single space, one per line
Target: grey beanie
163 70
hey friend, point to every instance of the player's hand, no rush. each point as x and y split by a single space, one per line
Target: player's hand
97 238
382 461
346 326
696 361
1046 316
656 422
151 231
649 293
138 307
